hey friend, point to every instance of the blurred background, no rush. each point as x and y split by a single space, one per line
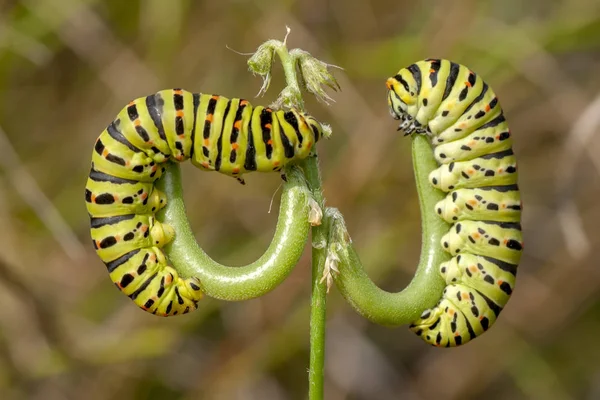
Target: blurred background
68 66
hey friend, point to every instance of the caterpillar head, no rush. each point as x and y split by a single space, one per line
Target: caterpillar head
402 94
318 129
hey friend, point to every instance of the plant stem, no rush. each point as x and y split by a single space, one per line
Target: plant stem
292 96
318 306
426 287
250 281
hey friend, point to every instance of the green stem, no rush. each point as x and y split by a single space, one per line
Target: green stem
425 289
291 96
318 306
252 280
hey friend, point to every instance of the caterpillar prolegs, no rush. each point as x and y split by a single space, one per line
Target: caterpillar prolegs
471 141
216 134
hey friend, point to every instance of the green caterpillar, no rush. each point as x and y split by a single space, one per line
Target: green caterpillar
216 134
461 115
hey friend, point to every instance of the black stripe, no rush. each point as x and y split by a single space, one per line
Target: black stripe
416 73
404 84
210 110
193 137
135 294
115 159
291 119
99 146
478 98
132 112
250 163
498 155
114 264
114 133
503 265
503 225
99 222
177 100
495 307
472 334
156 115
433 76
495 122
220 140
288 148
503 189
234 131
98 176
266 117
451 80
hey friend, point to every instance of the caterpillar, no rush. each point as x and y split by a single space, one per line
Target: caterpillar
472 144
216 134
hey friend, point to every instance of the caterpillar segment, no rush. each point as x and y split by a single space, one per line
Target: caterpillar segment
472 144
216 134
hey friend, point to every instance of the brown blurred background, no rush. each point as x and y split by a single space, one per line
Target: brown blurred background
68 66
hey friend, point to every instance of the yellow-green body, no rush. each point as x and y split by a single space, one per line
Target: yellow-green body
217 134
472 143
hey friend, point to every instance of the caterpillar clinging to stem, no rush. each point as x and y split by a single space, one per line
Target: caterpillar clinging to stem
461 115
216 134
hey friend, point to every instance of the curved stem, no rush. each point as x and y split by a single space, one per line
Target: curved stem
425 289
250 281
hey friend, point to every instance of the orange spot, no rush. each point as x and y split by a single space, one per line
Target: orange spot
472 143
481 317
235 146
236 170
471 172
500 170
487 108
463 125
206 142
117 238
179 113
468 84
237 125
465 296
309 144
268 110
215 97
270 142
473 268
177 91
153 257
431 71
476 236
132 102
389 83
144 228
505 241
209 118
204 164
503 205
268 126
244 102
97 244
180 157
143 196
275 163
472 202
500 282
137 122
105 153
127 163
116 197
93 198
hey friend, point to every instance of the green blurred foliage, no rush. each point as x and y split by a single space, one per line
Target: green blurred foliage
68 66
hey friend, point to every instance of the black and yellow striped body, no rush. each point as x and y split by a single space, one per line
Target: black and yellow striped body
216 134
471 141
